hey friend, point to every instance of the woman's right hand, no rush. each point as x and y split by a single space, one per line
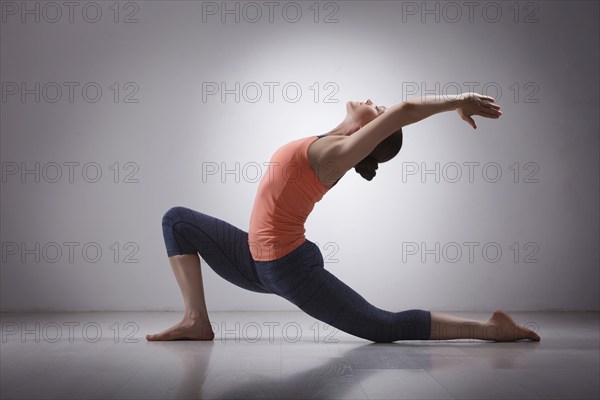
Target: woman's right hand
477 104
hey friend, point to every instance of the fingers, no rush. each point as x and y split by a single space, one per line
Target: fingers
489 102
480 105
483 103
493 106
489 110
490 114
470 121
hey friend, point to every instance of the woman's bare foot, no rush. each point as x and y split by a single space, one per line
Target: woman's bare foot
186 329
502 328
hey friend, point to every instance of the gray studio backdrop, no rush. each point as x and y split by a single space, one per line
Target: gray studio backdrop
114 112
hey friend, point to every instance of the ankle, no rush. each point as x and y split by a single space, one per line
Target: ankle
491 330
198 323
195 316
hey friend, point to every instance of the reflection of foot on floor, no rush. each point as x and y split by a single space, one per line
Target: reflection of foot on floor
502 328
185 330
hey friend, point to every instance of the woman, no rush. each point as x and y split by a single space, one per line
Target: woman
275 257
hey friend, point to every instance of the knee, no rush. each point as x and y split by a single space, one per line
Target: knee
173 215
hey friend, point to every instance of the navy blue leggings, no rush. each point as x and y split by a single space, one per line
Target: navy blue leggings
299 277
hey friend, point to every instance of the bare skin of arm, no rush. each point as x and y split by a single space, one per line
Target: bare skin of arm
354 138
338 151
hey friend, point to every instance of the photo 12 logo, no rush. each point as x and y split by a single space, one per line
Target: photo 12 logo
522 92
272 91
53 12
471 252
254 12
68 172
291 332
70 92
70 331
68 251
452 12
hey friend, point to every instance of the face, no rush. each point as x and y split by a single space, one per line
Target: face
363 112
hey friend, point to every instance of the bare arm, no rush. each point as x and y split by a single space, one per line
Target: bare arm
466 104
423 107
346 153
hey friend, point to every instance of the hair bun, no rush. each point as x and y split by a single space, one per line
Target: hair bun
367 167
383 152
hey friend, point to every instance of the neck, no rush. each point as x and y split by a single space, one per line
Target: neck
344 128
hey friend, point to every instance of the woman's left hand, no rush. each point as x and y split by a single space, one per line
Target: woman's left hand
477 104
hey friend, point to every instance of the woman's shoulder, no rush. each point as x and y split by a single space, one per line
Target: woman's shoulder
318 150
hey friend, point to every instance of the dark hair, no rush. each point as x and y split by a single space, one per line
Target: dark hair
384 151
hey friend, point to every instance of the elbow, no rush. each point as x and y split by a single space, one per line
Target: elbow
408 106
405 113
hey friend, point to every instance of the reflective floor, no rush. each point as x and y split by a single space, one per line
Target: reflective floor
287 355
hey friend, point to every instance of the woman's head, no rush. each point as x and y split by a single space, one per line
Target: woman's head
361 113
383 152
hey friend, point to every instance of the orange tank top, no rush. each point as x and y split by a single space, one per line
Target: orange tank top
286 195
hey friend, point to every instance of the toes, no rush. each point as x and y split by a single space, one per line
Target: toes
151 337
507 324
529 334
157 337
